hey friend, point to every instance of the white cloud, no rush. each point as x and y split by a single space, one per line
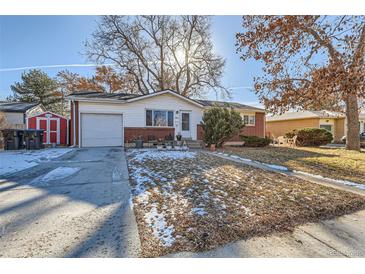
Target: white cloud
52 66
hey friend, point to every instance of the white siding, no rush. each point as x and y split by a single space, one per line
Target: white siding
134 113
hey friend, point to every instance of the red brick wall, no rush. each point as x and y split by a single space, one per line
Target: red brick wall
257 130
130 133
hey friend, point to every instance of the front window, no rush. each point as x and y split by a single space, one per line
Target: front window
326 127
249 120
159 118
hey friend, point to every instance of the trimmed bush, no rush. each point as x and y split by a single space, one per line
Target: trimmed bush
290 134
313 137
220 124
254 141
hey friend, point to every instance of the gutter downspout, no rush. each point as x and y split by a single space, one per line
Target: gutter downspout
74 124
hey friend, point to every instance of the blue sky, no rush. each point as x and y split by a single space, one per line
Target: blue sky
27 41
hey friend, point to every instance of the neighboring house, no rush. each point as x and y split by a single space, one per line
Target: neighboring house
362 122
99 119
16 113
334 122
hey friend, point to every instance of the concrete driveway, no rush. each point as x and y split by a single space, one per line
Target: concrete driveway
77 205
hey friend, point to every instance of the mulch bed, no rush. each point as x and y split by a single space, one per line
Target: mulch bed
192 201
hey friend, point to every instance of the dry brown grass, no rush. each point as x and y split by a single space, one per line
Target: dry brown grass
199 203
333 163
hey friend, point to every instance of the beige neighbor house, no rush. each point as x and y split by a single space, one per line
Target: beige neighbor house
334 122
362 122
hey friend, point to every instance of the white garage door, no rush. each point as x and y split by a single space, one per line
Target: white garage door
100 130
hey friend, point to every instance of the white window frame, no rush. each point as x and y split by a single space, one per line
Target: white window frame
248 119
167 117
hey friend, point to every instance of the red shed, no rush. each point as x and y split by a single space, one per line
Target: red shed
55 127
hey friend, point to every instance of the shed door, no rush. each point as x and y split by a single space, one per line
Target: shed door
51 129
99 130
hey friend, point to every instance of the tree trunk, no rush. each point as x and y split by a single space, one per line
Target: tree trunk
352 129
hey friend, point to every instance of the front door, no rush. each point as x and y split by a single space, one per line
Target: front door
185 124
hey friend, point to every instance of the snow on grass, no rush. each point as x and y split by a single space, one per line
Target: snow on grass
234 157
199 211
343 182
145 184
277 167
161 230
142 155
15 161
55 174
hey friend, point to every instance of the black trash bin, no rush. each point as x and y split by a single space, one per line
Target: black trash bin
8 136
33 139
39 139
20 138
13 139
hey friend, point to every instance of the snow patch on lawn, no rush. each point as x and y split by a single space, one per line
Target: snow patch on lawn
157 222
142 155
145 184
283 168
343 182
199 211
15 161
55 174
277 167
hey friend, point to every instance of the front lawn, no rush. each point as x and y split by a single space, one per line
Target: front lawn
193 201
332 163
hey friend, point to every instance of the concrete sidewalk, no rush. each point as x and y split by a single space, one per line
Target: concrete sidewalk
340 237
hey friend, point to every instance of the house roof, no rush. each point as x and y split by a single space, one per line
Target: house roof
16 106
102 95
305 114
209 103
126 97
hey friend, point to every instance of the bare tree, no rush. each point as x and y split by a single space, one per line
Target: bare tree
159 52
309 62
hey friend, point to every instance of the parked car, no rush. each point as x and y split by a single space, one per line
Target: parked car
362 139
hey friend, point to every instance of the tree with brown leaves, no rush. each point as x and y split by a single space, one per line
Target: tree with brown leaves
106 79
160 52
308 61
